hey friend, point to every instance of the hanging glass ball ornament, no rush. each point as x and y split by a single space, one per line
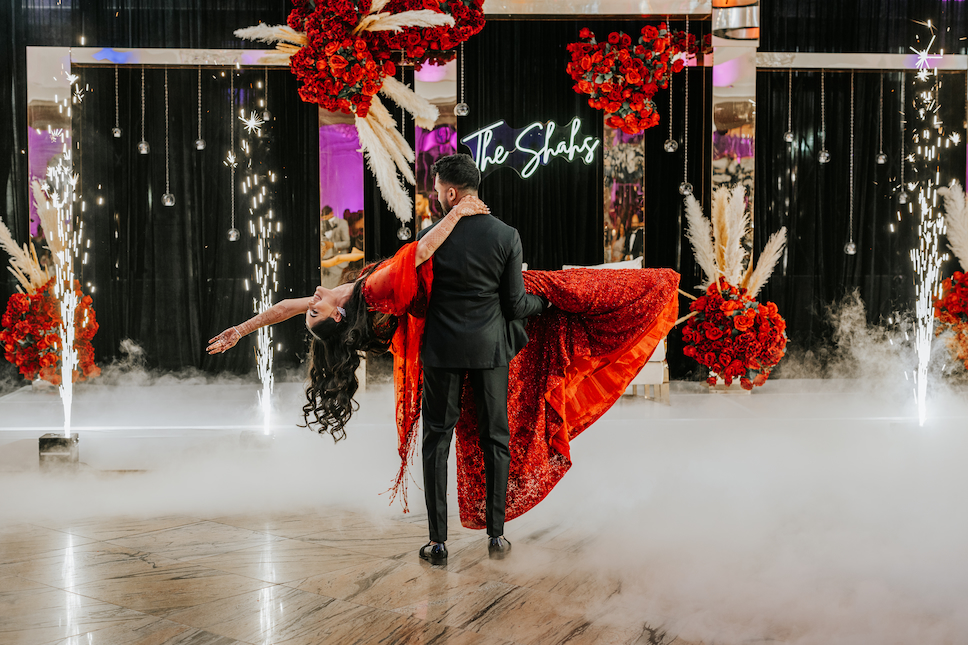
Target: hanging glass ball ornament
266 116
881 159
788 136
902 197
200 144
168 199
234 234
404 232
685 188
143 147
850 248
116 132
462 109
671 145
824 156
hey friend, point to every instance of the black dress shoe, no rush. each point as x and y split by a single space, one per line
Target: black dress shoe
497 548
434 553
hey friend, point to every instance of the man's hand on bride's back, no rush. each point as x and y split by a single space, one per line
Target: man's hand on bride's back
471 206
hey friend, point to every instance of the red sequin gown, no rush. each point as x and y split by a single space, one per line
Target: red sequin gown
580 357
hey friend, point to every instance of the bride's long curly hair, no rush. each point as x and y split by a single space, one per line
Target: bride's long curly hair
335 353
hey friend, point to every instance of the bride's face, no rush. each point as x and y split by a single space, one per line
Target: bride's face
322 305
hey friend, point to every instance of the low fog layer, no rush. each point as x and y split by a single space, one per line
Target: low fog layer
807 512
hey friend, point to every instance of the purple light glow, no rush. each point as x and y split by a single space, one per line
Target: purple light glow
726 74
431 73
340 168
42 151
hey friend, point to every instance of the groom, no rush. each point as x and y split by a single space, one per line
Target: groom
477 290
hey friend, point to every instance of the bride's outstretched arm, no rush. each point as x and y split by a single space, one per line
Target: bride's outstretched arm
429 243
282 310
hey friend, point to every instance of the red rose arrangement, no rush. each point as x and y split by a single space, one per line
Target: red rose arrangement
621 78
951 312
734 335
31 340
342 71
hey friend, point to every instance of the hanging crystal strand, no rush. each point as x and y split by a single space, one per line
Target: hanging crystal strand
788 135
461 109
143 146
230 161
902 196
167 199
850 248
266 114
670 145
116 130
881 157
685 188
200 142
824 156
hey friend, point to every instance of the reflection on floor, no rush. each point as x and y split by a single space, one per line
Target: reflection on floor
334 576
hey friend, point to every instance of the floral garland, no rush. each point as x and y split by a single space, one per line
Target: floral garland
30 334
342 67
951 311
734 335
621 79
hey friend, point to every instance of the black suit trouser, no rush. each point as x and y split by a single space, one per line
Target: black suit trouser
441 409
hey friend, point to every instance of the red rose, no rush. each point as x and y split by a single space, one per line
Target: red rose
744 321
613 38
714 333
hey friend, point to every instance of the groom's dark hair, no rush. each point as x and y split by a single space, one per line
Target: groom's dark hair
458 171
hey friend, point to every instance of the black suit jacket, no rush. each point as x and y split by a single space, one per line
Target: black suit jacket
476 295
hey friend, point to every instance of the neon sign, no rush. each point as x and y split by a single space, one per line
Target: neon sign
524 149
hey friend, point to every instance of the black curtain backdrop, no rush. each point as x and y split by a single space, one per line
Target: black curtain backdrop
168 277
515 71
884 26
813 200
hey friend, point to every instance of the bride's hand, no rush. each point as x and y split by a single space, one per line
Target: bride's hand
470 205
224 341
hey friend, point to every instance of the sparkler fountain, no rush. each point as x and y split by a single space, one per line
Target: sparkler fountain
62 181
262 226
928 138
65 241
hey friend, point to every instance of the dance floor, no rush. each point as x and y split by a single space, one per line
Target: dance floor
807 512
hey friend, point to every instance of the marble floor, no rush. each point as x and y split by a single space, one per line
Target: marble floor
332 576
807 512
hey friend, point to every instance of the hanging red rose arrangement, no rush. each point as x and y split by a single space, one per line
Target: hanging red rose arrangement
342 64
734 336
31 340
621 77
951 313
345 53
